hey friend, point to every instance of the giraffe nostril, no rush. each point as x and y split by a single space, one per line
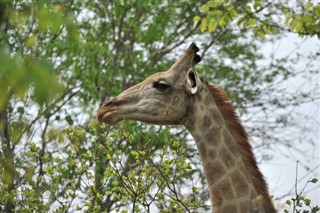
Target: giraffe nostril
107 102
112 104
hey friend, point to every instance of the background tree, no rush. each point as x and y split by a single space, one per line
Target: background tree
59 61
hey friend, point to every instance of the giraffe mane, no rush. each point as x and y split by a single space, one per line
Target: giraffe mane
241 137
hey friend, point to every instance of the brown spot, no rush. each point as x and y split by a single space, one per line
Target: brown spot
203 150
228 139
214 136
225 189
206 123
216 198
227 136
244 206
207 100
229 209
239 183
242 169
214 171
216 115
212 153
196 136
227 157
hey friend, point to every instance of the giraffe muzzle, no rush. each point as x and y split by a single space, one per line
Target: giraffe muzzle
106 112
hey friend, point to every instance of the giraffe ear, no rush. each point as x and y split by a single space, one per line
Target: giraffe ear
192 81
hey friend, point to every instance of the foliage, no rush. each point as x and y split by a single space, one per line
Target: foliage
60 61
146 180
251 15
300 204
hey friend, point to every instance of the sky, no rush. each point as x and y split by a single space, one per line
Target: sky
281 172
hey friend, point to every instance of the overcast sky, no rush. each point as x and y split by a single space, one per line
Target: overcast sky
281 172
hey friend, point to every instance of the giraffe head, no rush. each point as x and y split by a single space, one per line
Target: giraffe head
161 98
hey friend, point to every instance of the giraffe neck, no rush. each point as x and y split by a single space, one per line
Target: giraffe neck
229 184
229 179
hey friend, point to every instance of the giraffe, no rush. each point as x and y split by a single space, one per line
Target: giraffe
179 96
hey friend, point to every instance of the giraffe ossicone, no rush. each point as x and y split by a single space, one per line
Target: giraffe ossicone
179 96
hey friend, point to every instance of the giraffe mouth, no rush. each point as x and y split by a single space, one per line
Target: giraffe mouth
107 112
108 118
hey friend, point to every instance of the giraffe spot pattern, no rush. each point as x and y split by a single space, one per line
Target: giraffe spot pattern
212 154
206 122
213 135
227 157
231 144
217 198
227 138
214 172
229 209
239 183
203 150
244 206
203 108
207 100
217 116
226 190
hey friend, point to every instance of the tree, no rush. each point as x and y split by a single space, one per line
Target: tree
262 18
59 61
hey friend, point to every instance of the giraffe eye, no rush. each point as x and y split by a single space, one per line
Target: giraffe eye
160 86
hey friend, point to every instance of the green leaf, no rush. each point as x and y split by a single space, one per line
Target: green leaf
285 10
234 13
309 4
49 20
69 120
215 13
203 26
240 21
314 180
214 3
298 26
248 9
204 8
194 189
315 209
307 202
18 19
72 29
30 41
20 110
250 22
196 20
288 202
222 22
257 5
229 7
288 17
212 26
